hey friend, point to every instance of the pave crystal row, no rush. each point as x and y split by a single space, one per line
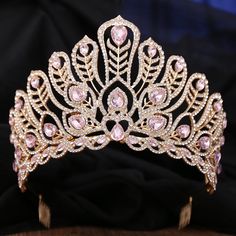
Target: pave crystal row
67 113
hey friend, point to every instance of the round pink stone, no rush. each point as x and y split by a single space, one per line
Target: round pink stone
157 95
117 132
30 140
119 34
77 94
35 81
183 131
179 65
152 50
157 122
204 142
200 85
56 61
217 106
83 49
117 99
19 104
49 129
77 121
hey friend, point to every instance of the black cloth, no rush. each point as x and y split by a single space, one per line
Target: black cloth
116 187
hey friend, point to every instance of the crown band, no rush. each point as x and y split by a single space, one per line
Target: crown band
172 115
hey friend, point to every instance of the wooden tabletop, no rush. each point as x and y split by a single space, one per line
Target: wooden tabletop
92 231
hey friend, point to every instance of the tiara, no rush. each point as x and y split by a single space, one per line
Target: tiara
63 112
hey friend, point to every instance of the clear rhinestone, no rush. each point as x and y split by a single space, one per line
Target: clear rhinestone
200 85
152 50
77 121
157 95
119 34
30 140
117 132
157 122
77 94
204 142
183 131
49 129
35 81
83 49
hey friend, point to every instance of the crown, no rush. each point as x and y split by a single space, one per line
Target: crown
63 112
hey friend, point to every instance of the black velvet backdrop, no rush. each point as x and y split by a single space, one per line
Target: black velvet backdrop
116 187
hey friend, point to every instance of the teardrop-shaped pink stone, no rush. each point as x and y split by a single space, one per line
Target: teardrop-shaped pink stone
117 132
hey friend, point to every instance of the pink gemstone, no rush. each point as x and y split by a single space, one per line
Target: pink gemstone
179 65
186 153
35 82
222 140
200 85
157 122
183 131
119 34
14 166
204 142
34 158
18 153
117 99
133 139
19 104
46 152
217 106
12 138
77 121
157 95
217 157
83 49
101 139
60 147
77 94
11 121
30 140
224 123
56 61
117 132
171 147
49 129
152 50
219 169
153 142
79 141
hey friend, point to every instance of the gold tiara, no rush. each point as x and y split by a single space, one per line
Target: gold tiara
64 113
